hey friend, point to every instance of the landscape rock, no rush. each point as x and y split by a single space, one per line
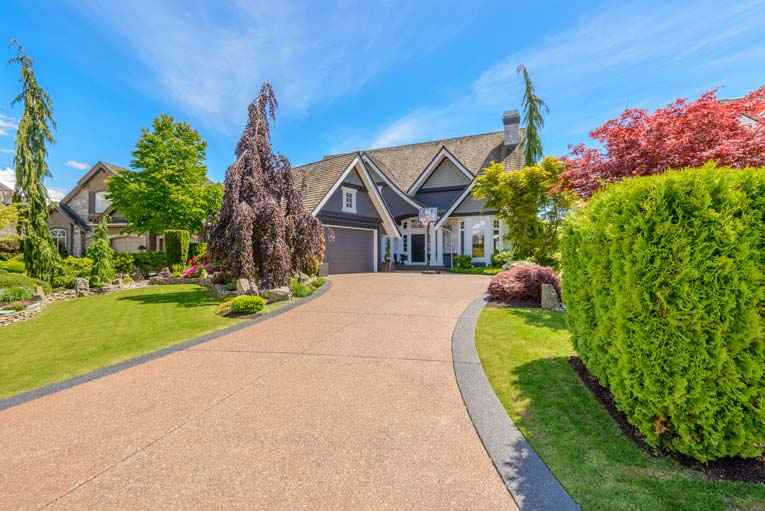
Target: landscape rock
40 295
138 276
302 277
245 287
550 299
155 281
279 294
81 286
220 292
117 281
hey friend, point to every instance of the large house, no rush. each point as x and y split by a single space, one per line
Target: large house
371 199
74 218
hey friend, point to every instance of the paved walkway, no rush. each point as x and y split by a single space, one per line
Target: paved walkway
347 402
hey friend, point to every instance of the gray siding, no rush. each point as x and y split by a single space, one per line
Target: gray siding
397 206
470 205
353 178
437 199
446 174
364 206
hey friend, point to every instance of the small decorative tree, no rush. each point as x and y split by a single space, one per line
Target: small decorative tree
102 255
176 247
387 250
262 229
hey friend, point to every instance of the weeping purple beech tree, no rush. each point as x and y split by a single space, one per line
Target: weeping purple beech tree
263 231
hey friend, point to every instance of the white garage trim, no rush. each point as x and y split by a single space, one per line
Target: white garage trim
374 241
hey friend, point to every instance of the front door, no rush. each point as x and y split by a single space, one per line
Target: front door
418 248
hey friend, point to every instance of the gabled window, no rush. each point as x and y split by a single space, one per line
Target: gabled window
349 199
59 238
101 202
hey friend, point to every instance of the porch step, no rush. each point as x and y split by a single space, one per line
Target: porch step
419 267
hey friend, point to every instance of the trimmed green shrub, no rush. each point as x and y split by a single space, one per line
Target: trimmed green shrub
475 270
300 290
316 283
247 304
197 249
501 257
16 279
663 282
123 263
148 262
13 266
16 294
176 247
463 261
102 254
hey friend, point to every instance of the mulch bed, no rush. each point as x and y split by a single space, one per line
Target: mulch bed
750 470
519 304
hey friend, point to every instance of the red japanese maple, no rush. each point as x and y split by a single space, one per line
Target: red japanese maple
684 134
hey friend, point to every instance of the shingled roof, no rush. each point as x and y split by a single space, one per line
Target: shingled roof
404 164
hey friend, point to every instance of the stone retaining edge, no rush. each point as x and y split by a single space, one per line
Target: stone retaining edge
31 395
528 479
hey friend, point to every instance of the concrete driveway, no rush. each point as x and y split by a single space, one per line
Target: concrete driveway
346 402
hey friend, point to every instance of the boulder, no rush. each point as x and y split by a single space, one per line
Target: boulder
279 294
245 287
138 276
302 277
39 295
220 292
550 300
117 281
81 286
156 281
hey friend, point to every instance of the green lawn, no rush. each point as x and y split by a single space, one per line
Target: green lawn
77 336
524 353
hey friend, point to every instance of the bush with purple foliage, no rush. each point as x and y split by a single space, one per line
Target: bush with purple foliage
522 282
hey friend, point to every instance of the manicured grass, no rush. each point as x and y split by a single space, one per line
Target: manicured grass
77 336
524 353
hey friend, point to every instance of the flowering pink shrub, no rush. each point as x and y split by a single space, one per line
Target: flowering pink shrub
196 270
522 282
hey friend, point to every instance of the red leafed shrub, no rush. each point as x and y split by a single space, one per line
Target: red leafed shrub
522 282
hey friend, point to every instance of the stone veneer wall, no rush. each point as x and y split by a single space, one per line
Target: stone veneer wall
79 203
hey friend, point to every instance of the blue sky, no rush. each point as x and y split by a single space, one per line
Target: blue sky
353 75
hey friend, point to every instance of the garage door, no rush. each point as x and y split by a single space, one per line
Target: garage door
128 243
352 251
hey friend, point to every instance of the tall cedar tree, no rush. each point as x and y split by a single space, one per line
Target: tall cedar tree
532 120
41 258
102 254
684 134
262 230
169 189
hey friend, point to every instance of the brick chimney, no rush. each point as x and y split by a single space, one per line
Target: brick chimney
511 120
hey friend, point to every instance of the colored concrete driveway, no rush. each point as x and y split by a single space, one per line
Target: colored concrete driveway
346 402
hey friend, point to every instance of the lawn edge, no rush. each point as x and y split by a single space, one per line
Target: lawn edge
31 395
528 479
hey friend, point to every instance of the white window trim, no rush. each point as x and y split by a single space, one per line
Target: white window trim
346 190
57 231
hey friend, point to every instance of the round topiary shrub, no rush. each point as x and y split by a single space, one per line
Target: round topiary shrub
664 287
522 283
247 304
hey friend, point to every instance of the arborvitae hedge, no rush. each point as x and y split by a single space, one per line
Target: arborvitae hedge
177 247
663 282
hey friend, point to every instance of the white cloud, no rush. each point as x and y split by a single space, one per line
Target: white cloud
7 125
7 151
645 54
77 165
211 58
8 178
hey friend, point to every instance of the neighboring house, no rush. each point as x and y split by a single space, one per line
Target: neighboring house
373 196
6 197
74 218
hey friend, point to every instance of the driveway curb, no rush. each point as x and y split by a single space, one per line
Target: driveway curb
31 395
529 481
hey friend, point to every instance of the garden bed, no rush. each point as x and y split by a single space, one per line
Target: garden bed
730 469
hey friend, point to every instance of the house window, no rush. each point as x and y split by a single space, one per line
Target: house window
406 244
478 243
462 237
416 224
101 202
349 200
59 238
405 224
496 238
